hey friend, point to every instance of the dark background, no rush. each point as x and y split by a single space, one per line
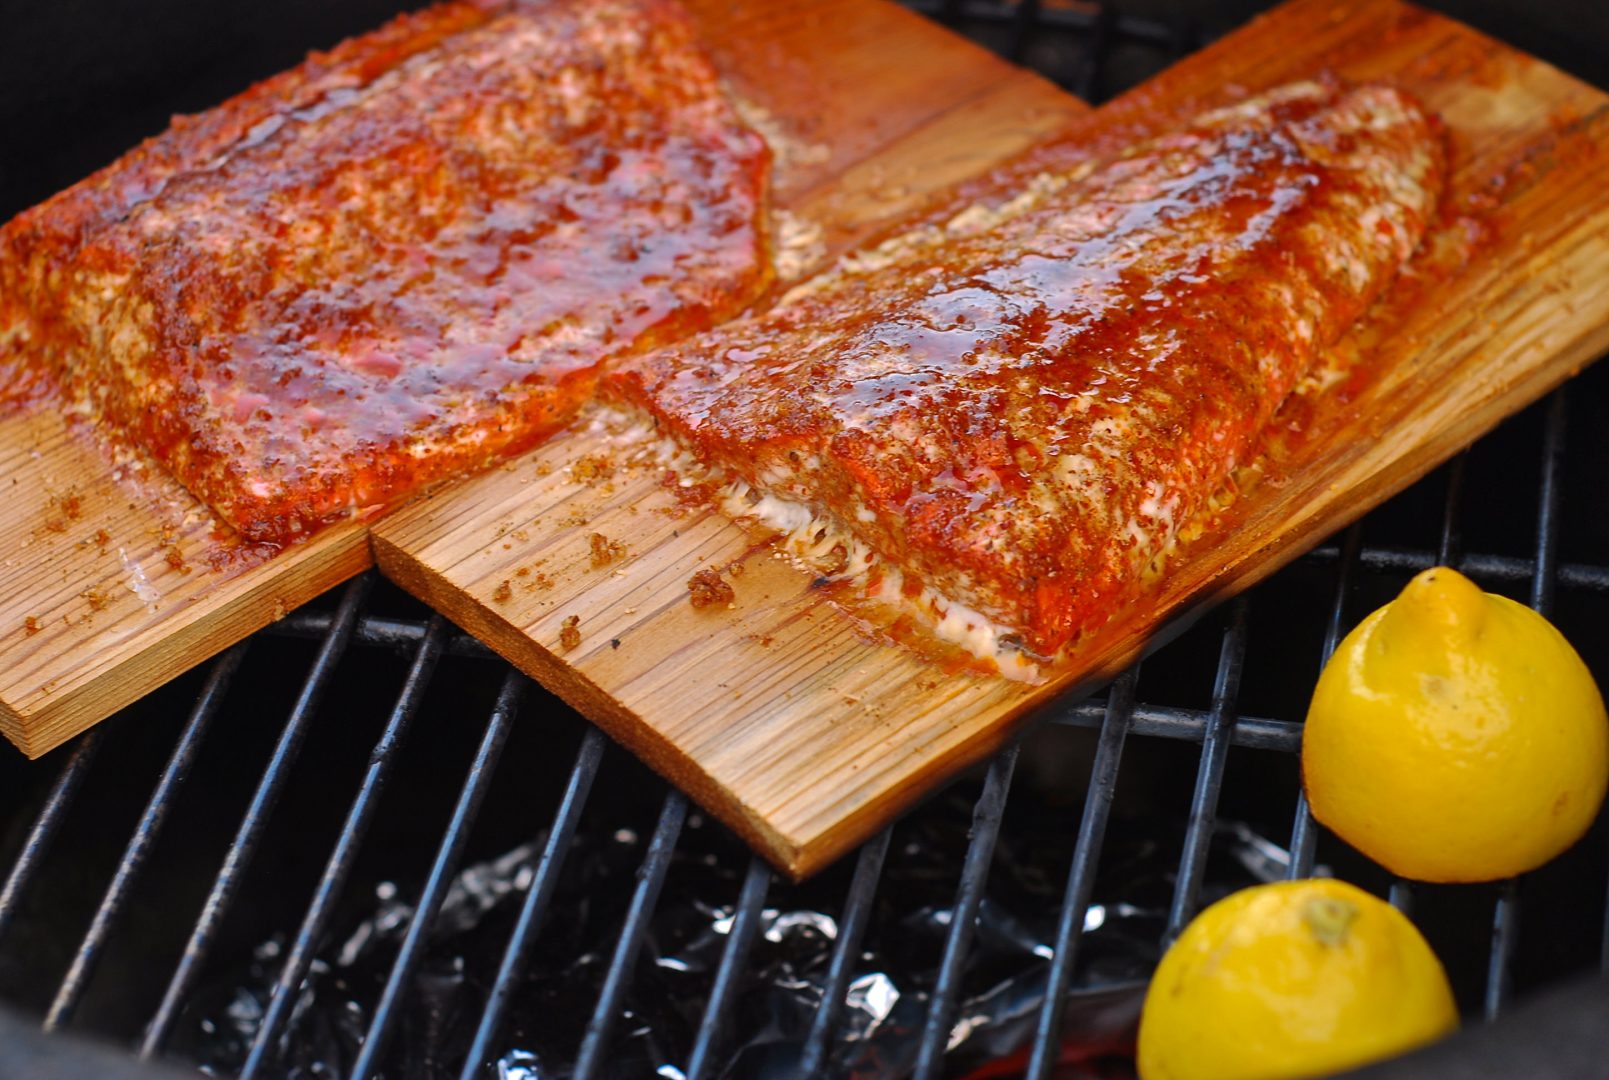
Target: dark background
83 80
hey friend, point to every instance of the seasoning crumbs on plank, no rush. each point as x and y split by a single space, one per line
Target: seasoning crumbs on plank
706 588
31 625
504 590
605 550
63 508
570 632
591 468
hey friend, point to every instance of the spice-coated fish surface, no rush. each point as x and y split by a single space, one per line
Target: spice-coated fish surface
403 258
1009 424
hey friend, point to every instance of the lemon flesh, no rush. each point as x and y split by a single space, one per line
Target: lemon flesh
1296 979
1455 736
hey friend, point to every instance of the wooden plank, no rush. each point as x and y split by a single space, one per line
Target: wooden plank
111 583
782 717
832 84
873 111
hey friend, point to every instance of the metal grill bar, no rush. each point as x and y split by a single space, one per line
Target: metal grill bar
1506 915
1400 895
448 856
851 929
1495 569
1544 582
1210 773
48 820
650 878
1166 722
263 800
745 924
1097 46
339 866
964 914
1304 836
400 634
1025 20
1505 929
1451 547
1081 875
146 832
1136 27
537 896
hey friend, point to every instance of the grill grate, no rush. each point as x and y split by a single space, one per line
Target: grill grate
1091 49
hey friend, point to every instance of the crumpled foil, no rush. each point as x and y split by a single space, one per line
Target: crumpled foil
781 990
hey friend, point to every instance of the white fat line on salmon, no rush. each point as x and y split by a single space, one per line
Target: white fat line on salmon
812 540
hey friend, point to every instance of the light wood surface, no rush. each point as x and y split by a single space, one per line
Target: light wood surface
779 714
106 586
834 84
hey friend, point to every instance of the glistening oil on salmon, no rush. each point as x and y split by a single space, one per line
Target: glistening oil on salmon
1021 415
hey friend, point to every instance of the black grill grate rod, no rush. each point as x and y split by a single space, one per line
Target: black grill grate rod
1304 835
746 917
986 815
1081 875
1096 47
1024 21
1450 549
448 856
1216 740
650 878
1506 914
46 823
263 799
851 929
1190 725
537 897
146 831
1544 581
311 933
1485 568
402 635
1057 17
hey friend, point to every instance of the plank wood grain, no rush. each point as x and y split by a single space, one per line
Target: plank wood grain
106 591
785 718
833 84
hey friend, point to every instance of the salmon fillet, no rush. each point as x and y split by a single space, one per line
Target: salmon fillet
401 259
1012 421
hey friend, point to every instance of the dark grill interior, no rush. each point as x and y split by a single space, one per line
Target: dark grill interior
359 845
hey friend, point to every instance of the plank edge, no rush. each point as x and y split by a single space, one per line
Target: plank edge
591 701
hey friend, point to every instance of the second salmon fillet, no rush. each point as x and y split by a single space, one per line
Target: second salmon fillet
1009 425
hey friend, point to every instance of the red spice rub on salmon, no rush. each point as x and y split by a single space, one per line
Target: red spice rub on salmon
1022 415
401 259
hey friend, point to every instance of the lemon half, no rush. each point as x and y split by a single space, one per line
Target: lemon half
1296 979
1455 736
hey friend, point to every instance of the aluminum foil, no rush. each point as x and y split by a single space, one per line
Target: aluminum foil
781 991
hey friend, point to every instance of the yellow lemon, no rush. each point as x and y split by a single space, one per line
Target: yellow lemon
1296 979
1456 736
